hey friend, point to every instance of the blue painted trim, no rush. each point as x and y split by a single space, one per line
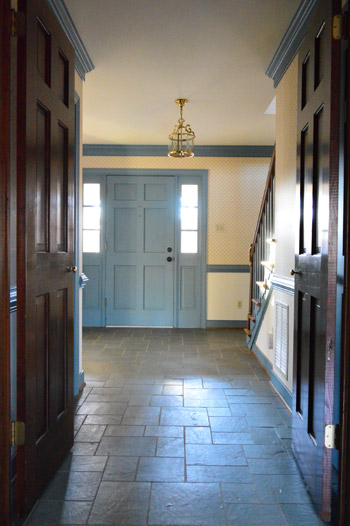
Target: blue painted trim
291 41
149 150
229 268
283 284
237 324
76 307
13 299
83 62
81 378
282 390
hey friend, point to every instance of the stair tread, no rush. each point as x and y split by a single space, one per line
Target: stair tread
247 331
251 317
257 303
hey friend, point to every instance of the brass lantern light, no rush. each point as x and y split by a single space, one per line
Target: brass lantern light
182 138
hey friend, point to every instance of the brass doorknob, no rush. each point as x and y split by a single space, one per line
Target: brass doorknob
72 269
292 272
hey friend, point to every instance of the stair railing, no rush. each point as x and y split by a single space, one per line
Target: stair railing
259 250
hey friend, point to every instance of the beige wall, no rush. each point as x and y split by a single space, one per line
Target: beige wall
285 211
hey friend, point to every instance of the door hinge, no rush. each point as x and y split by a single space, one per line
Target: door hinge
17 20
340 28
17 433
106 245
105 302
331 436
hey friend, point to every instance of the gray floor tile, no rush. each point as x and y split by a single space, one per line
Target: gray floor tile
127 446
275 466
84 448
121 504
183 416
143 389
124 431
121 469
173 390
239 493
205 402
301 515
167 401
265 451
219 411
273 489
102 408
231 424
215 455
141 416
170 447
59 512
164 431
90 433
218 474
198 435
156 469
83 463
254 515
187 505
232 438
103 419
73 486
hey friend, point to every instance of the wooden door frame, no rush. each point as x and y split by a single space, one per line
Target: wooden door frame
4 263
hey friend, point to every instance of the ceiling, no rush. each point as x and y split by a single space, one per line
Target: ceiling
147 53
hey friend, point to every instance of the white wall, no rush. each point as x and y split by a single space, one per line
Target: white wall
228 295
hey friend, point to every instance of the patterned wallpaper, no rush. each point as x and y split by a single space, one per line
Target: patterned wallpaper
235 191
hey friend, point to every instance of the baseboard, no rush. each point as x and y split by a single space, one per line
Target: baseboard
282 390
237 324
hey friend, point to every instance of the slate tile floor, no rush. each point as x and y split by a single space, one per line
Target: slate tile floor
176 427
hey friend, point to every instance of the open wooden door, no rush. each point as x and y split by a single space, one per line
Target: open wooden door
315 261
45 142
4 262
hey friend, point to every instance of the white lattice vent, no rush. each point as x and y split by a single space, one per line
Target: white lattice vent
281 337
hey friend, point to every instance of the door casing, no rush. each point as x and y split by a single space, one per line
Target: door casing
100 176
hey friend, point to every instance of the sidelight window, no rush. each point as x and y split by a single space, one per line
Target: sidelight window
189 219
91 218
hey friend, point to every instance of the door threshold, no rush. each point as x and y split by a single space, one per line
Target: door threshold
139 326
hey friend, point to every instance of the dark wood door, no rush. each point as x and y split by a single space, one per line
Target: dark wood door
314 261
45 144
4 261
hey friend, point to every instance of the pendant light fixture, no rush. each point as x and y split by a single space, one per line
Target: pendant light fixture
181 139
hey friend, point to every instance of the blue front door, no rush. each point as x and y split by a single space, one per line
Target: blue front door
140 227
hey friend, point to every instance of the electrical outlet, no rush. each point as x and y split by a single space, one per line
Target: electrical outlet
239 304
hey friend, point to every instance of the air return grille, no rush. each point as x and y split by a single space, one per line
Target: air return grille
281 337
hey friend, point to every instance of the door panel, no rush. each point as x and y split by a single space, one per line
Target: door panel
45 248
313 258
139 229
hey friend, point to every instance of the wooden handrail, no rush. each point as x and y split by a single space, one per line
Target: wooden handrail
270 176
261 217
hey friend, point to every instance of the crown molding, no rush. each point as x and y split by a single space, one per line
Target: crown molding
291 41
83 62
149 150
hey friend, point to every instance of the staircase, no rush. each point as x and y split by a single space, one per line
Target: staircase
261 259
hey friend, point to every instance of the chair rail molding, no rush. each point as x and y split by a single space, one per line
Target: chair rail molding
83 62
283 284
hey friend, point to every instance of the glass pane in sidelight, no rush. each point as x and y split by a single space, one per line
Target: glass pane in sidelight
189 218
91 194
91 241
189 242
189 195
91 217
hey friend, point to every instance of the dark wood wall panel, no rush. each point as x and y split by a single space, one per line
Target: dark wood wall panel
42 179
305 81
317 221
43 53
42 364
62 205
312 362
61 345
301 303
320 43
63 77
